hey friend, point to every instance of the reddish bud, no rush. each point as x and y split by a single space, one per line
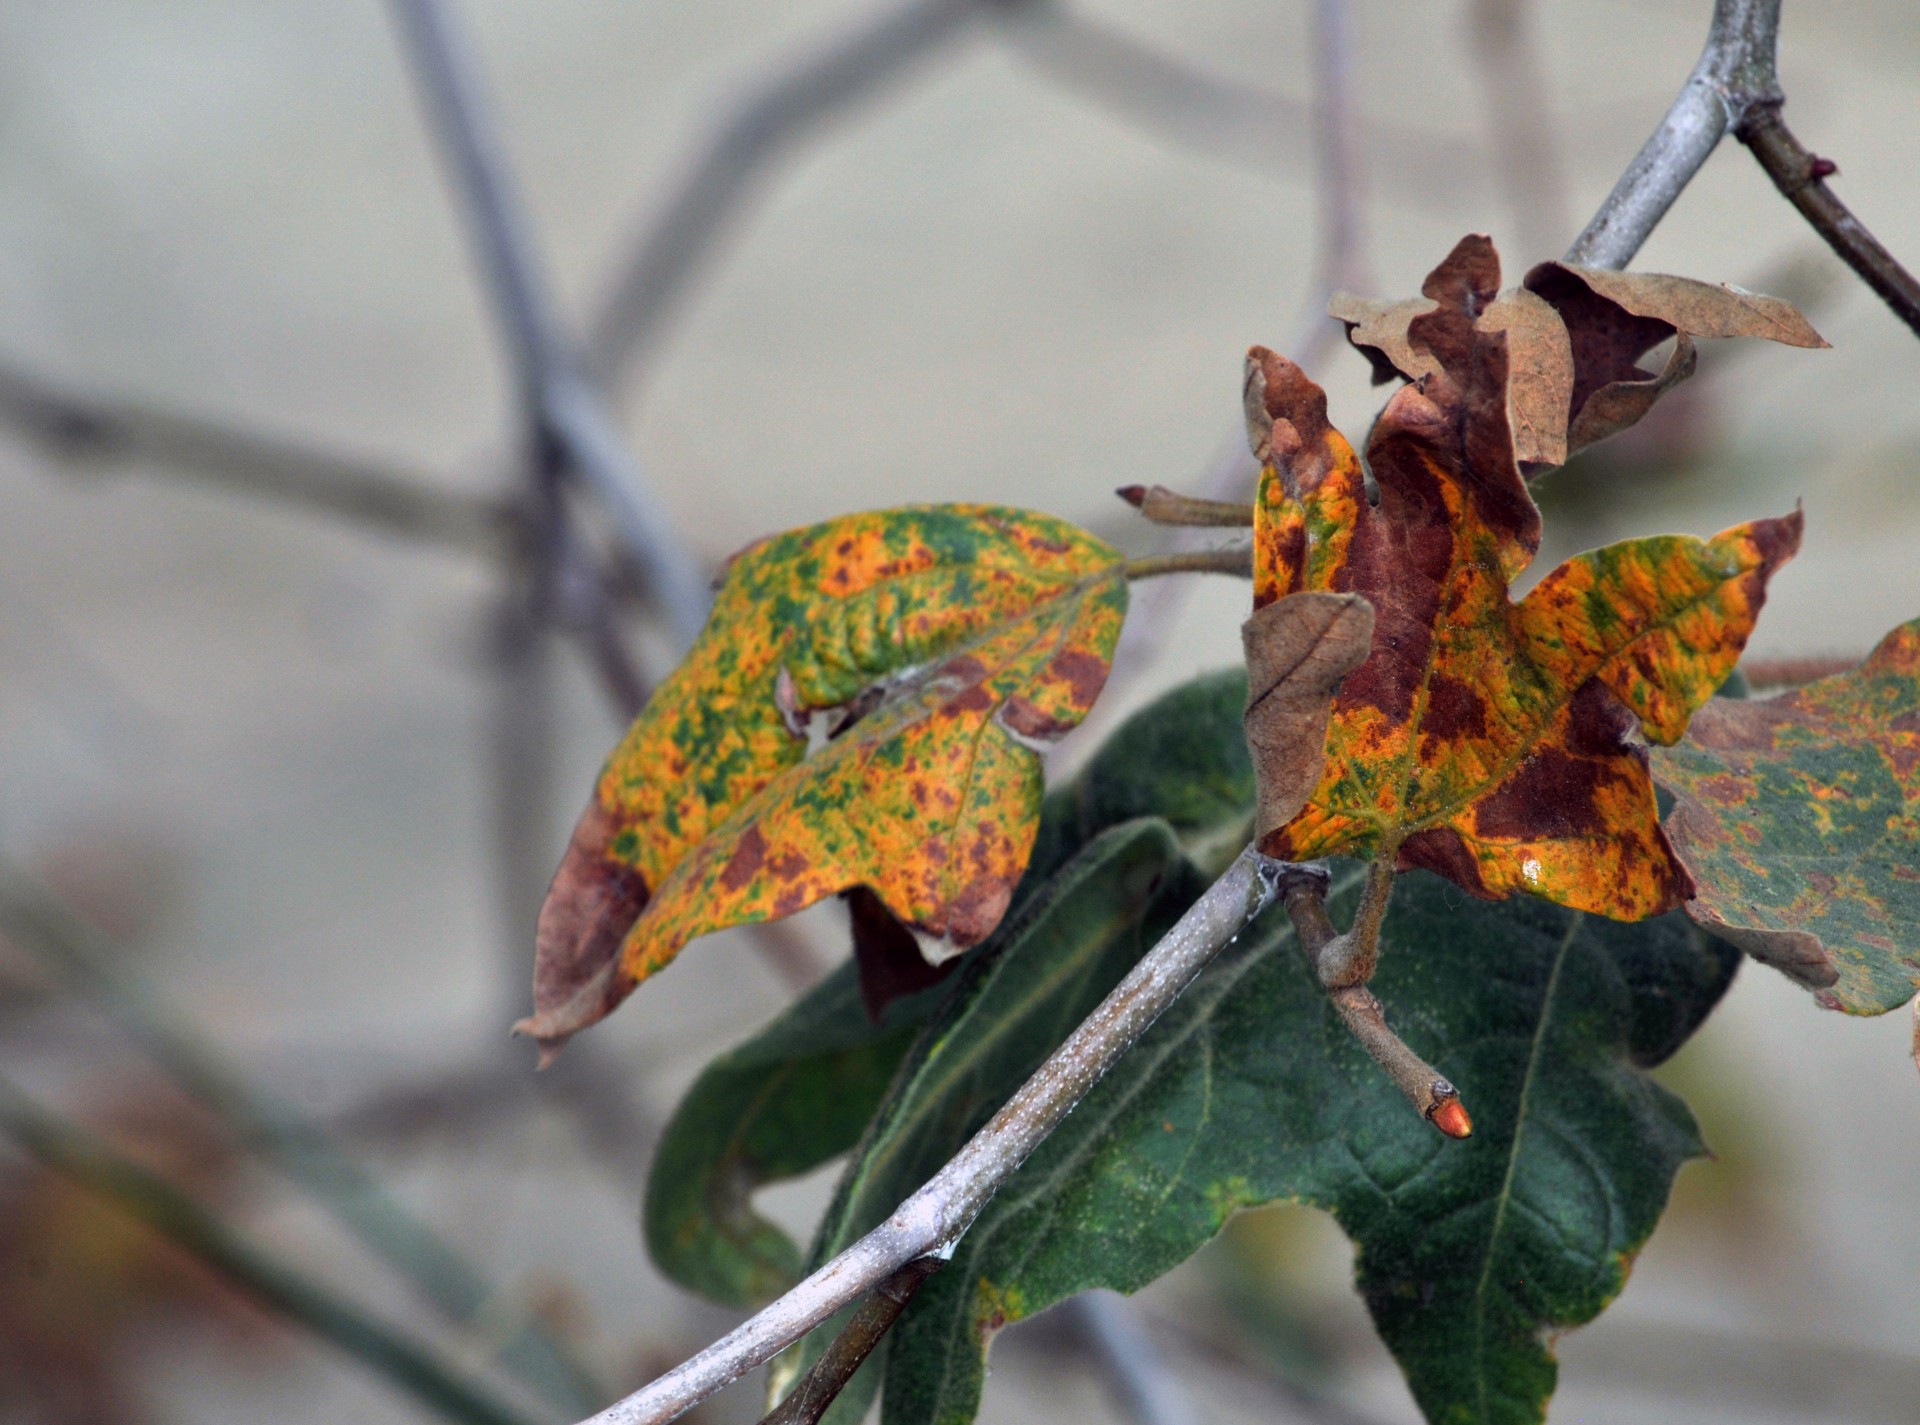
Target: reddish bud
1822 168
1135 495
1449 1115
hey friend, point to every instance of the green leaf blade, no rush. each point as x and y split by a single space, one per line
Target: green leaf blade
1250 1091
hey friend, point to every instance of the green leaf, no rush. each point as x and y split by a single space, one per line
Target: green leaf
1182 758
794 1096
1081 933
798 1094
1795 819
1250 1090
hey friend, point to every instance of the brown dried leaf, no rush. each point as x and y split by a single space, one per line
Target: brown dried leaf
1378 330
1703 309
1614 318
1298 650
1539 376
1575 337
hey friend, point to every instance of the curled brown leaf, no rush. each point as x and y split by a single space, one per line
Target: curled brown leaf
1298 649
1575 338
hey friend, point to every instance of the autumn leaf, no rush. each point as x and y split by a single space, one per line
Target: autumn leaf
1298 649
1491 741
1575 337
933 648
1796 818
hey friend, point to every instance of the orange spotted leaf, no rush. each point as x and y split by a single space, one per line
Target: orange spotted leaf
862 709
1496 743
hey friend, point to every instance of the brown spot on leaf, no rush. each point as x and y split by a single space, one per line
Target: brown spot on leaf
1454 710
978 909
1083 673
749 853
1027 719
1441 850
1551 796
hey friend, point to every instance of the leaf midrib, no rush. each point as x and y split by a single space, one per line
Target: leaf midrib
1513 1160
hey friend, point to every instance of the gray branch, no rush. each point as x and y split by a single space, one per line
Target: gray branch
935 1217
1143 1384
1736 71
85 431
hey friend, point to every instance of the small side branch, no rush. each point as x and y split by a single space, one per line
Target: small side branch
821 1386
84 431
1164 506
778 114
935 1217
1801 178
1344 963
562 407
1142 1383
1236 559
277 1132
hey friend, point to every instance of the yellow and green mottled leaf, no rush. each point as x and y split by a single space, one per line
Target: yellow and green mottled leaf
949 638
1488 740
932 801
1798 819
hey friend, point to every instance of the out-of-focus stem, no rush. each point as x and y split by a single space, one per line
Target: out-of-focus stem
74 1153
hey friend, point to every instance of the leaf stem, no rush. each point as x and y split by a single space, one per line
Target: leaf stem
71 1151
1350 959
935 1217
821 1386
1236 559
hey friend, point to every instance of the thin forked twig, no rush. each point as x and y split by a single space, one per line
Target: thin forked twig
563 407
1143 1384
1735 71
1339 262
1520 129
1736 86
74 1153
820 1387
781 111
83 430
1344 963
933 1218
1210 113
